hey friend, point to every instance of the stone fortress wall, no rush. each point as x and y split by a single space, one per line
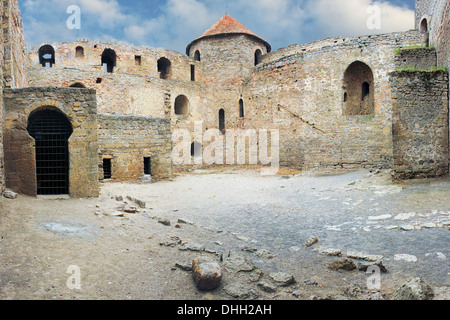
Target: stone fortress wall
338 102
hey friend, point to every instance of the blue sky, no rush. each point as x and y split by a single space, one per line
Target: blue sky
173 24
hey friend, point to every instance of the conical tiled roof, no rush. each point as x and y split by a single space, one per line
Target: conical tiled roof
227 25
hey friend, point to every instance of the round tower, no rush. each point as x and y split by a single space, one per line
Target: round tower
228 42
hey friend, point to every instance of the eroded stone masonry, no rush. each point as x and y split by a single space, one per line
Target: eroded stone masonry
74 114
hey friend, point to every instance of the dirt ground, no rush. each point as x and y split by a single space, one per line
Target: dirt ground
252 225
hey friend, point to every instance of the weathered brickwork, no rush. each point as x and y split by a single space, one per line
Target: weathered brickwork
2 165
127 140
302 94
80 108
419 58
15 54
420 123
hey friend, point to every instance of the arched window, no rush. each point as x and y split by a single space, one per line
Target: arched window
77 85
222 121
47 56
359 97
241 108
109 60
51 130
424 25
79 52
164 68
197 56
258 57
181 105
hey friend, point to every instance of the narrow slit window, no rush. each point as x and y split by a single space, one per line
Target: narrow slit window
241 108
147 166
192 72
107 169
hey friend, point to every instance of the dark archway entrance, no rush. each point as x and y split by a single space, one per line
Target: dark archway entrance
51 131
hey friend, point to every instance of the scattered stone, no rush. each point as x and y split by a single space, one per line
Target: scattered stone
240 291
429 225
140 203
184 265
404 216
267 287
343 264
392 227
249 249
119 198
405 257
311 241
365 266
8 194
381 217
363 256
310 283
414 289
282 279
184 221
407 227
263 253
171 242
255 275
219 243
238 264
207 275
353 291
164 221
116 214
192 247
130 210
329 251
439 255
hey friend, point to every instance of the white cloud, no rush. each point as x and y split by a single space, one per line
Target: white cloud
349 17
281 22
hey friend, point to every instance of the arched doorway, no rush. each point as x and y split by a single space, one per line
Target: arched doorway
51 130
109 60
164 68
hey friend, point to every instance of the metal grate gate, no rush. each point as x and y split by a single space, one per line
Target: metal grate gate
51 131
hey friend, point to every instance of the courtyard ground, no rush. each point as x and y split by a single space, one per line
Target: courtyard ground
252 225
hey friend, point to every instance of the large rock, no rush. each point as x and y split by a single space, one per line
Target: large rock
207 275
414 289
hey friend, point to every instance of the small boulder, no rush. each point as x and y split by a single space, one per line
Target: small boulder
8 194
207 275
414 289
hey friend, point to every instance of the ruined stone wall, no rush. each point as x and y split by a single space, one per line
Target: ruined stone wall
80 108
419 58
15 54
2 125
124 93
127 140
420 124
66 57
302 94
